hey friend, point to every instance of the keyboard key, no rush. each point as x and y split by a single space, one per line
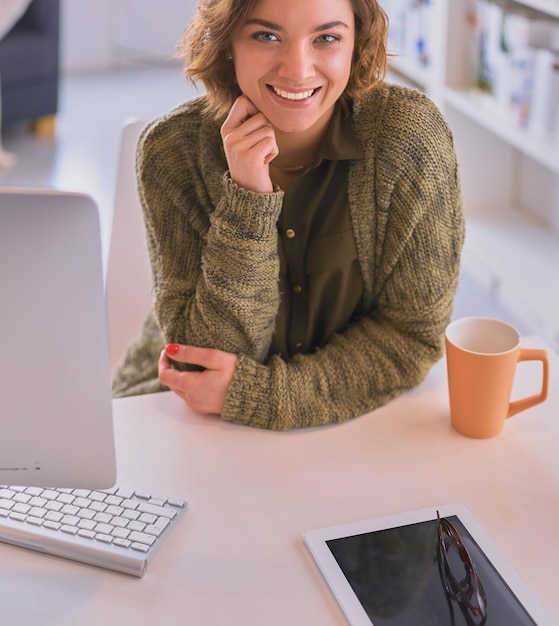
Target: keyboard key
126 494
21 497
66 498
97 496
37 512
156 510
51 525
53 506
147 518
21 508
140 547
113 510
121 533
35 501
174 502
104 529
153 530
86 524
49 494
142 538
97 506
119 522
70 509
82 503
81 493
113 500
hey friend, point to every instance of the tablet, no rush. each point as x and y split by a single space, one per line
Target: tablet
410 569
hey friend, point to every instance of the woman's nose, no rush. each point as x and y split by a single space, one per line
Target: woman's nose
296 63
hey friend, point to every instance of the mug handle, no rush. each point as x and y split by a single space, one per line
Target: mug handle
527 354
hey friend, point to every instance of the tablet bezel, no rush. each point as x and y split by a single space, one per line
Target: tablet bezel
316 541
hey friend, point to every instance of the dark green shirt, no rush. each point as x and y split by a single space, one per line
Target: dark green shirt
320 281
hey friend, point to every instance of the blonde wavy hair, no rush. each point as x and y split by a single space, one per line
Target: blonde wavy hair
205 50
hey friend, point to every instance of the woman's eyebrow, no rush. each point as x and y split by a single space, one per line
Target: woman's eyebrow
278 27
263 23
330 25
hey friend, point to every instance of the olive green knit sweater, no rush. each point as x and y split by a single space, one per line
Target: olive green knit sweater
213 249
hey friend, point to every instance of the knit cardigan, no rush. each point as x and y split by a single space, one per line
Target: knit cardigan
213 249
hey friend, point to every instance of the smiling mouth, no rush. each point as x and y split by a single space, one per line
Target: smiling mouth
289 95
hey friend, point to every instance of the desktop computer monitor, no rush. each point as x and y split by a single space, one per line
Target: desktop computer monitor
56 427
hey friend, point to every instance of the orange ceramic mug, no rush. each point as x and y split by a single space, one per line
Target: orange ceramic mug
482 354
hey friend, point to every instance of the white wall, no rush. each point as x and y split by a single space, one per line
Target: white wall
99 34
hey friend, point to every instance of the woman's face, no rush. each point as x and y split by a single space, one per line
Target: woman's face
293 59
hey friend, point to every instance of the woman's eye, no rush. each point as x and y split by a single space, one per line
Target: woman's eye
327 39
265 36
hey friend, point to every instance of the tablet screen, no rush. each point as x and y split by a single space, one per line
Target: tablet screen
395 575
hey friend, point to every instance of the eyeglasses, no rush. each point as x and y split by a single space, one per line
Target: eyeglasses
466 590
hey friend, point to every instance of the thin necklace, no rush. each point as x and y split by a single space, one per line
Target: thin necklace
289 169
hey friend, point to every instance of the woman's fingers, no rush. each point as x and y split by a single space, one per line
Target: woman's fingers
250 144
242 110
204 391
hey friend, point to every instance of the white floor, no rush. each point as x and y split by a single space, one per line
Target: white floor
84 152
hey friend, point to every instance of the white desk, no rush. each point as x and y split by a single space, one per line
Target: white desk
238 558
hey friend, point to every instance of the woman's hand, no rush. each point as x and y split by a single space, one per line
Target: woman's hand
250 144
203 391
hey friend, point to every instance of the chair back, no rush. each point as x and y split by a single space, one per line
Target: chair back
129 280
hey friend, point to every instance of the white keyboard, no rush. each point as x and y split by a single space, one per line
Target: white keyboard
118 529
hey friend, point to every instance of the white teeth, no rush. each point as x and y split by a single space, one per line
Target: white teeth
293 96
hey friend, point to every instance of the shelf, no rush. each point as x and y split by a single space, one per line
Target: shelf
510 174
542 150
550 7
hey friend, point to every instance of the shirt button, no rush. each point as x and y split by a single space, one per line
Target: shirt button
290 233
297 289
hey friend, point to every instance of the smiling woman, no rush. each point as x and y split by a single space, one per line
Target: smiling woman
303 219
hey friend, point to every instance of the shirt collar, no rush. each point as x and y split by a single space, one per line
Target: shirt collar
340 142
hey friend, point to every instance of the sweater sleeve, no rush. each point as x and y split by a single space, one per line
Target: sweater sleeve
214 268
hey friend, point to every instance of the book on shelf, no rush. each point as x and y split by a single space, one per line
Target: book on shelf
513 60
410 31
544 106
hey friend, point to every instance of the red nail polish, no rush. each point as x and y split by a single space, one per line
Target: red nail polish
172 349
